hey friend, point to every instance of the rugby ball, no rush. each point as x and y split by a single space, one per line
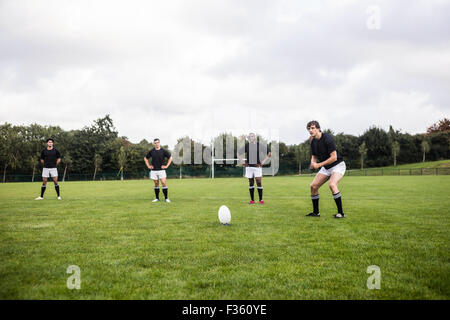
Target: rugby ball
224 215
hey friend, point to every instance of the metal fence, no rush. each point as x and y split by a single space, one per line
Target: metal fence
224 171
399 172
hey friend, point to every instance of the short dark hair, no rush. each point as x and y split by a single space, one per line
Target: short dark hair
313 123
50 139
156 139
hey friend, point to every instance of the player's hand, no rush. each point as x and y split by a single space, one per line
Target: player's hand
259 165
245 165
314 165
163 167
150 167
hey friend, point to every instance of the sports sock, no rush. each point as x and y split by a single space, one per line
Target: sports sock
57 189
43 190
165 191
338 199
156 192
260 193
252 192
315 201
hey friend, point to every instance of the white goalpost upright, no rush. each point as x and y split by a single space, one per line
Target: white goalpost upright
213 160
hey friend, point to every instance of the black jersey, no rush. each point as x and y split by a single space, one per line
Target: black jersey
255 152
158 157
322 149
50 157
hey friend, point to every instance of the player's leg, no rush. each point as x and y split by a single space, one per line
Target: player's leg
318 181
43 187
336 176
165 189
55 182
260 189
156 182
251 189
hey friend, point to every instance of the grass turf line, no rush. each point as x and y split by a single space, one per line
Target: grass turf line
130 248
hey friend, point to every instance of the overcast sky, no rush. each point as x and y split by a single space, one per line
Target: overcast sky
173 68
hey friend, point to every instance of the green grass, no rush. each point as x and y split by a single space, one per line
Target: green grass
130 248
418 165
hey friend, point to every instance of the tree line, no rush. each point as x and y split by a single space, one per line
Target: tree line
99 148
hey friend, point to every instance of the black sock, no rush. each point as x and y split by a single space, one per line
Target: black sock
165 190
57 189
338 199
260 192
315 201
252 192
156 192
43 190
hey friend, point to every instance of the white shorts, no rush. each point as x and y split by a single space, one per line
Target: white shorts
339 168
157 174
49 172
253 172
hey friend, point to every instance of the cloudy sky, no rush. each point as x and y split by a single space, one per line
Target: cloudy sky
174 68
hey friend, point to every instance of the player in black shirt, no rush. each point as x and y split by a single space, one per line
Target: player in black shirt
50 158
253 165
325 156
158 167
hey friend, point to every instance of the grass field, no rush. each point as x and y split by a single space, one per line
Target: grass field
418 165
130 248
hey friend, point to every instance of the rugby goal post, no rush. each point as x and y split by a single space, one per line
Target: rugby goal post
213 161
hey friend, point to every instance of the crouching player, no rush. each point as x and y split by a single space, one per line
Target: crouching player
325 156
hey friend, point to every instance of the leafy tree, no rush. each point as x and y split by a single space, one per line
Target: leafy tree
121 160
67 161
425 148
10 142
378 147
97 163
395 151
440 126
363 153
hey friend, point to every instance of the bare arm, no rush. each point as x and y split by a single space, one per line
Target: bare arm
147 164
57 161
168 164
265 159
331 159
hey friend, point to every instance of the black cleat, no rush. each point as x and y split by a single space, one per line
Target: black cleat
339 215
312 214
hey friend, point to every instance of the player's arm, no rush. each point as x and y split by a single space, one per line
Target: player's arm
147 163
240 154
58 160
42 157
168 163
313 162
330 160
266 158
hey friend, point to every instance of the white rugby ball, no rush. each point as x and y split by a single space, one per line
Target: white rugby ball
224 215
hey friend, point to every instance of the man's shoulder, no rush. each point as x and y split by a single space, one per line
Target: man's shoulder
327 137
